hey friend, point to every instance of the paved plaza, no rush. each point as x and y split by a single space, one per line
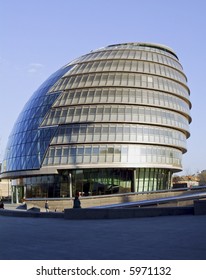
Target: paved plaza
156 238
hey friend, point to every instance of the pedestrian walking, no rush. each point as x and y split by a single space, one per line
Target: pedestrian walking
47 206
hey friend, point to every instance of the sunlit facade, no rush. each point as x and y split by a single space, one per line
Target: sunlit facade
114 120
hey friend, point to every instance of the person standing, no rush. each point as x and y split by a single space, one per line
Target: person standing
1 205
77 202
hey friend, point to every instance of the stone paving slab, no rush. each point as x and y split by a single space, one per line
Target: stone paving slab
155 238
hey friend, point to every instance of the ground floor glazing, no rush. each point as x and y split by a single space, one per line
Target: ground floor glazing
90 182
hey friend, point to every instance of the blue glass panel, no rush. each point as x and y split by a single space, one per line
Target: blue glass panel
27 142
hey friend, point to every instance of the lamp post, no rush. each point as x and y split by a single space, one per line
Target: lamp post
70 185
8 188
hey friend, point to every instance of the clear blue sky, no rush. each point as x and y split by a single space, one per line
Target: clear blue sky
37 37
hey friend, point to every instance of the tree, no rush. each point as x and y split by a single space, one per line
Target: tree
202 177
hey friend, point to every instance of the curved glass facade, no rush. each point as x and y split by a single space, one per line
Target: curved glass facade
27 143
113 120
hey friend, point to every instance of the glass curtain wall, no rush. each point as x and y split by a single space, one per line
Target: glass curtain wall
96 182
115 120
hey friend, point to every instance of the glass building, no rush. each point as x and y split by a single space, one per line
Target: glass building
114 120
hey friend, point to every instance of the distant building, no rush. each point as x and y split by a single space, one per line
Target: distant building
113 120
5 188
188 181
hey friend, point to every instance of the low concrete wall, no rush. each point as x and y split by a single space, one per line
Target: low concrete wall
57 205
83 214
30 214
200 207
122 213
91 201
